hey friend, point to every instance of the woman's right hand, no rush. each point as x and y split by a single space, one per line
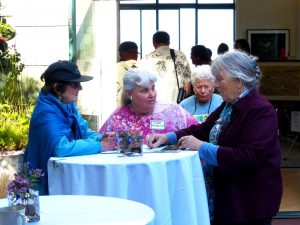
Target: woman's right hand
156 140
108 141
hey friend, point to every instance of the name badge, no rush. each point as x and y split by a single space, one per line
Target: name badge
157 125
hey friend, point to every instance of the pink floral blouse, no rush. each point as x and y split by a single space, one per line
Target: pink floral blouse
166 117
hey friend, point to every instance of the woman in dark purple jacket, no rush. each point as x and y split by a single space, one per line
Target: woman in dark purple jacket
240 141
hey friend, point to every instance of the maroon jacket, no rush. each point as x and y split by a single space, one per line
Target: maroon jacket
248 179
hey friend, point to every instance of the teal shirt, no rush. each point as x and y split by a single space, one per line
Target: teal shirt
201 110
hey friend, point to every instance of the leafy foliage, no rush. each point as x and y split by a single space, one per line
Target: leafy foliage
14 127
17 99
7 32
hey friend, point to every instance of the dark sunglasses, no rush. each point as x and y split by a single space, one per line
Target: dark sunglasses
75 85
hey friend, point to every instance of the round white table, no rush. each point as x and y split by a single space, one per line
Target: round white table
90 210
172 184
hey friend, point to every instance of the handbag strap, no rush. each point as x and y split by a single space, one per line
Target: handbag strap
173 56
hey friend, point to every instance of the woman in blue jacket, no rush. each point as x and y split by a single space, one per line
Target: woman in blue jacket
56 127
240 140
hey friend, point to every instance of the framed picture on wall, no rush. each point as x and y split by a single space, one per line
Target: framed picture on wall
269 44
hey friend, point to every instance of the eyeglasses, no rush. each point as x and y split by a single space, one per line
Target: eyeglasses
75 85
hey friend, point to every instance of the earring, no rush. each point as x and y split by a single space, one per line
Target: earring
59 98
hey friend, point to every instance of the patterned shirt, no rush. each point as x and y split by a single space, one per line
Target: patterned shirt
161 62
165 118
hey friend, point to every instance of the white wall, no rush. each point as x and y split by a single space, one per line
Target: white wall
42 38
106 54
268 14
42 31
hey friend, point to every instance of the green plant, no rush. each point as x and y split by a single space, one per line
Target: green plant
14 127
7 32
17 98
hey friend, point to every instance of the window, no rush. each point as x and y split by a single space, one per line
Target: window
190 23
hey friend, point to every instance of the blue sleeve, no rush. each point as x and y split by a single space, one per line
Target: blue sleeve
64 147
89 144
172 138
208 152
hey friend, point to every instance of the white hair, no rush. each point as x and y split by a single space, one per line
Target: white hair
137 76
202 72
238 65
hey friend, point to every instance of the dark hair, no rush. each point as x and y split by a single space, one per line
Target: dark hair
242 44
127 45
161 37
222 48
209 53
201 52
49 87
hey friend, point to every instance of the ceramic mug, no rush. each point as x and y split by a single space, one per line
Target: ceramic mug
12 215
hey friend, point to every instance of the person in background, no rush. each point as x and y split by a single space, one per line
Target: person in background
56 127
242 45
142 112
128 53
222 48
161 62
200 55
240 140
209 52
204 101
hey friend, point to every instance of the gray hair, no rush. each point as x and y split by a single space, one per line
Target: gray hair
136 76
238 65
202 72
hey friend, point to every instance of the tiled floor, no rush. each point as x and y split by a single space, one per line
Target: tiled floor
290 157
290 174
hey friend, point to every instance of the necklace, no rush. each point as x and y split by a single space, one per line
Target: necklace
195 107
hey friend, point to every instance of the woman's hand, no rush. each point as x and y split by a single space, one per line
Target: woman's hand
108 141
156 140
189 142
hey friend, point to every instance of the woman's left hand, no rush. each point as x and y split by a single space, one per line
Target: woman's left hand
189 142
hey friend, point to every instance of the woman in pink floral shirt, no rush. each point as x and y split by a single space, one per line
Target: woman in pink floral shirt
142 112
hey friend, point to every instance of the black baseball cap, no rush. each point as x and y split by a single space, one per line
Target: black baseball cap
64 70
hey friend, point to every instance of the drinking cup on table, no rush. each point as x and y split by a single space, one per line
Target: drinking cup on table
12 215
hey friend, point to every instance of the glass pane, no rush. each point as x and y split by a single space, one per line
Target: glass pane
215 1
148 29
130 26
212 31
187 31
168 21
137 2
177 1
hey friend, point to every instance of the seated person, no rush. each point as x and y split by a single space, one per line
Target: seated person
204 101
141 111
56 127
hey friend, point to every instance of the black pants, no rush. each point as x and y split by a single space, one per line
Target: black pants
267 221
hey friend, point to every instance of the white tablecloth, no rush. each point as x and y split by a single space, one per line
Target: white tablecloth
90 210
172 184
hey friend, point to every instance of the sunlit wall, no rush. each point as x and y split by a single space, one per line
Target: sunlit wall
42 31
